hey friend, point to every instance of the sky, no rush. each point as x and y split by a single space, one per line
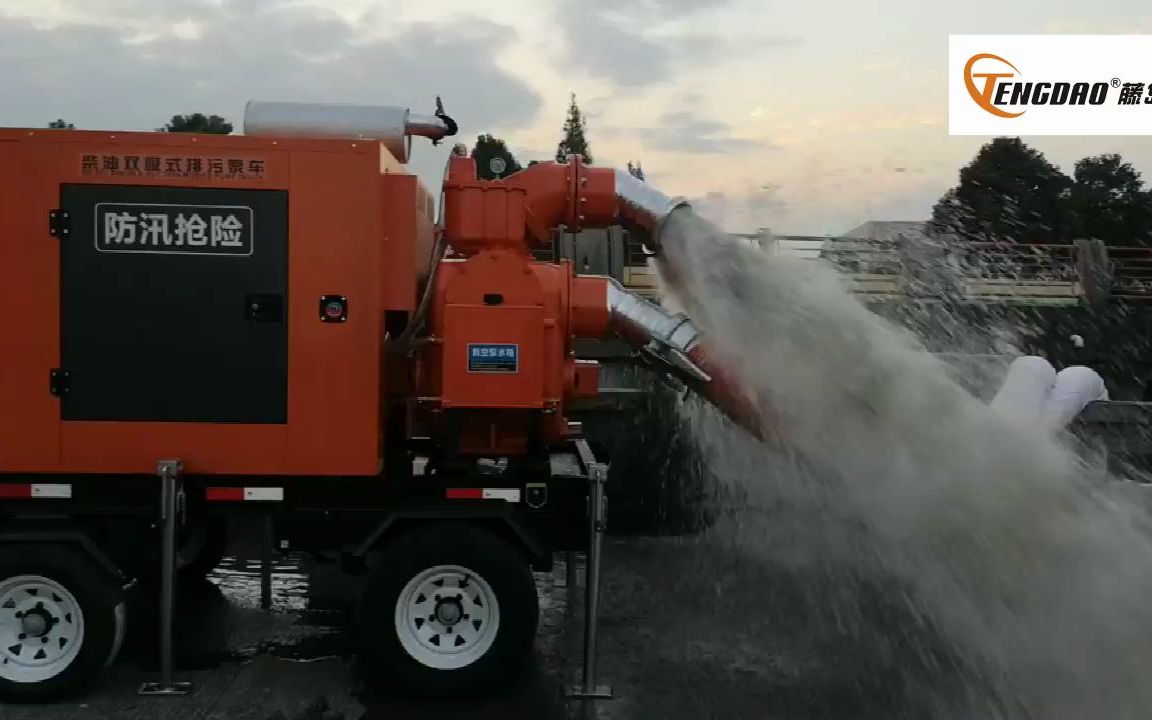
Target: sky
800 117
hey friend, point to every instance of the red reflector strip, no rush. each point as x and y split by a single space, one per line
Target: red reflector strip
240 494
465 493
506 494
35 490
224 494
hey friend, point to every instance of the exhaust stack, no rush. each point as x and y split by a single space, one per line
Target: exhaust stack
393 126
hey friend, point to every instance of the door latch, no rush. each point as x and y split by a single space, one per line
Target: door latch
265 308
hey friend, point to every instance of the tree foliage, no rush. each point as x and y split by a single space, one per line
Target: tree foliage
1108 201
635 170
574 142
1010 193
488 147
61 124
199 123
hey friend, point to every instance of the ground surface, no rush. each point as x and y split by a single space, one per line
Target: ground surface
689 631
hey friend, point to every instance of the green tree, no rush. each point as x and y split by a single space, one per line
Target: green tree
199 123
635 170
1008 193
1109 202
488 147
574 142
60 124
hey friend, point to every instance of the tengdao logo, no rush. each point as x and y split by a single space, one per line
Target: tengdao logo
999 88
1050 85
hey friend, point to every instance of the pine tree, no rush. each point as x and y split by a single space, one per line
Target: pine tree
635 170
574 142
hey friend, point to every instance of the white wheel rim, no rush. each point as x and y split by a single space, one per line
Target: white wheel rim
447 617
41 629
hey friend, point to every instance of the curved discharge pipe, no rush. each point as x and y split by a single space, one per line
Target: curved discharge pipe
638 203
672 343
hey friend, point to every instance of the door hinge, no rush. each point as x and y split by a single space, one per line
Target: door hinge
59 223
59 382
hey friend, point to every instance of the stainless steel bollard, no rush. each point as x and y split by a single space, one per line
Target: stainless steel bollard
169 472
597 475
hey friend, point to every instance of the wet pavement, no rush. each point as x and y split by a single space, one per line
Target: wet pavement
689 630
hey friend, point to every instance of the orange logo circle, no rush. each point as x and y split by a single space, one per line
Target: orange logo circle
983 96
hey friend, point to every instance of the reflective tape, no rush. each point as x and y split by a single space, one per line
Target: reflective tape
506 494
35 490
241 494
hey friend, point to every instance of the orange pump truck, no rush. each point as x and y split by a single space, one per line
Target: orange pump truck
276 325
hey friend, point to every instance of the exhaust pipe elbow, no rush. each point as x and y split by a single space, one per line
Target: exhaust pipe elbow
433 127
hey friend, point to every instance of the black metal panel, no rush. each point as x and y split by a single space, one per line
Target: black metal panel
43 531
170 304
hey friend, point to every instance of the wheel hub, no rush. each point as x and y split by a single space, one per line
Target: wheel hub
37 622
449 611
447 617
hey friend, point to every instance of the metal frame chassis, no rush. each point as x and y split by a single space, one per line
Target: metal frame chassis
170 496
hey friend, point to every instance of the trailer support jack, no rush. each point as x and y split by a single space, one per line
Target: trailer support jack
597 476
266 541
571 571
170 491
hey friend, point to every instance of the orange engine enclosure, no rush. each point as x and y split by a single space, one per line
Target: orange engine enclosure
359 225
543 306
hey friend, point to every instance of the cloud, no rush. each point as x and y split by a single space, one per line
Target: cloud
628 43
1128 25
653 10
684 131
603 48
204 55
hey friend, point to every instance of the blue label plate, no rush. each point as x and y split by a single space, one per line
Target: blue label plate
493 357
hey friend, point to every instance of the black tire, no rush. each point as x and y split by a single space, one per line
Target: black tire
101 609
213 550
501 566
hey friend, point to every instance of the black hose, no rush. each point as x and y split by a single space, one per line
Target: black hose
402 344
